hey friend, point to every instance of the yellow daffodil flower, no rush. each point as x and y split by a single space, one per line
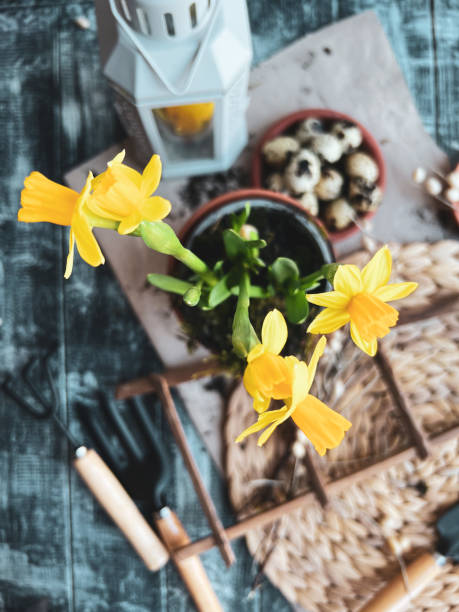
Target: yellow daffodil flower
323 426
360 297
123 194
45 200
265 375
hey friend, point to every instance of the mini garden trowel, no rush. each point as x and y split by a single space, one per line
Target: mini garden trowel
395 596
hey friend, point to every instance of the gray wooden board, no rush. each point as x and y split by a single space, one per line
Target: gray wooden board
55 112
308 77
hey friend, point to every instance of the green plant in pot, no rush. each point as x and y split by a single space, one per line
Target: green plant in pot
246 263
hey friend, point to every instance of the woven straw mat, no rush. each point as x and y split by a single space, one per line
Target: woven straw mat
334 559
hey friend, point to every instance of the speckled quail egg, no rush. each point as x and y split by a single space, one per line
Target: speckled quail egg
329 185
327 147
361 165
302 172
275 182
348 134
278 152
364 196
310 203
338 214
308 129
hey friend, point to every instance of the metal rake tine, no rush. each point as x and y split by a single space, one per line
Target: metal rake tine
7 388
162 466
48 408
148 428
123 431
100 436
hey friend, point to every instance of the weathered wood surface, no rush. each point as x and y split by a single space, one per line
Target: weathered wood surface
55 111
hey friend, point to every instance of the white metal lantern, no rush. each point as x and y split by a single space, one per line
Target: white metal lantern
180 72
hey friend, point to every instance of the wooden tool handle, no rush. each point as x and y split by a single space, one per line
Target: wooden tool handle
114 499
394 597
191 570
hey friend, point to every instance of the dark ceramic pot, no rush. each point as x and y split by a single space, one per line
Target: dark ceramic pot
289 231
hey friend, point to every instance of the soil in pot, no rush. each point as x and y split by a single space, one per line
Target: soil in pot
288 233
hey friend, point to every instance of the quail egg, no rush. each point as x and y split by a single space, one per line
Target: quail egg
275 182
310 203
303 172
348 134
278 152
327 147
329 185
364 196
338 214
361 165
308 129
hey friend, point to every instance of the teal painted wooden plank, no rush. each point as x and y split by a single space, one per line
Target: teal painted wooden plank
445 28
35 551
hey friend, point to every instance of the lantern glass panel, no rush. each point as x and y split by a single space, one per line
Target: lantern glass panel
187 131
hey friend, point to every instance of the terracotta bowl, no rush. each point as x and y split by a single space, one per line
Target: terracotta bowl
369 144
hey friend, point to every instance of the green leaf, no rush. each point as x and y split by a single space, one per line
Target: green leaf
219 293
285 271
297 307
238 220
169 283
259 243
234 244
329 271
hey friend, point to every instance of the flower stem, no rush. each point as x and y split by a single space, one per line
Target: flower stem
244 337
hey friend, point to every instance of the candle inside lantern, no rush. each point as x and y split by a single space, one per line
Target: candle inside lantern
188 119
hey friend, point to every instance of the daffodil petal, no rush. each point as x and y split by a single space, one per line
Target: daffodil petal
155 208
130 223
369 347
118 159
323 426
316 355
274 332
348 280
263 420
151 176
70 256
377 271
256 352
122 172
300 384
86 243
329 320
396 291
331 299
267 433
261 404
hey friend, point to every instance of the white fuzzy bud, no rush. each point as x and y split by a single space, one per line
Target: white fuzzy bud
453 179
298 450
433 186
419 175
452 195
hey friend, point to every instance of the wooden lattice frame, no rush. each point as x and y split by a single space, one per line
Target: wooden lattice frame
421 443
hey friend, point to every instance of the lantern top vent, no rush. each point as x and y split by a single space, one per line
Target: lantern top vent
171 20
